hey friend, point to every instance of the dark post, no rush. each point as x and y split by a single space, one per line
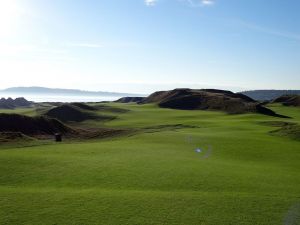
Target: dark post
58 137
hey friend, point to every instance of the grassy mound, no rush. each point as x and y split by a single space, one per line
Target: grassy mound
189 99
130 99
290 130
83 106
32 125
288 100
71 112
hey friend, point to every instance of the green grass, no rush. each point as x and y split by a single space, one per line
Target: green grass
249 176
23 111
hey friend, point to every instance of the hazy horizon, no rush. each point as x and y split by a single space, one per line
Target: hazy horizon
145 89
143 46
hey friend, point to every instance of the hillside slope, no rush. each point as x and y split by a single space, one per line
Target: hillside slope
76 112
288 100
130 99
31 125
203 99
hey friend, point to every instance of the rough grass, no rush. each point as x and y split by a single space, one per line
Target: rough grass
8 137
292 131
250 177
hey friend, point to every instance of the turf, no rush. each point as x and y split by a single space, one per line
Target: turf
244 176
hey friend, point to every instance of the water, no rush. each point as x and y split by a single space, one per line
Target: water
61 98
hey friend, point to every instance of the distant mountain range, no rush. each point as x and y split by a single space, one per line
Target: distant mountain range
259 95
59 91
268 95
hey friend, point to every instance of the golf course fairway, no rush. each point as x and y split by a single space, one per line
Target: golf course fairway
245 174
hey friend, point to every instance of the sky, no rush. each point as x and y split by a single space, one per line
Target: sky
140 46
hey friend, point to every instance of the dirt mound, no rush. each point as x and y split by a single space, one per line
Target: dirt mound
130 99
288 100
32 125
13 103
190 99
72 113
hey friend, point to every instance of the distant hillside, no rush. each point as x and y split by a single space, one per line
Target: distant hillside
13 103
130 99
59 91
268 95
203 99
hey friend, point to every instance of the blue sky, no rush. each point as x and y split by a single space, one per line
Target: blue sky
142 46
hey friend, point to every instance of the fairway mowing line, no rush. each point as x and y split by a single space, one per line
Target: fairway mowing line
189 139
208 152
293 215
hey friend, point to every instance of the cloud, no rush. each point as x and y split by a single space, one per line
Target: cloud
207 2
199 3
192 3
150 2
